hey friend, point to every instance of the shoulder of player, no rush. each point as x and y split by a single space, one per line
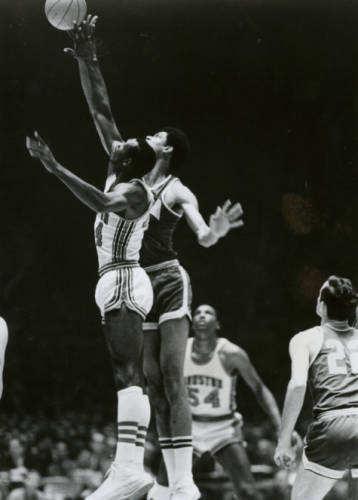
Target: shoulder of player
306 339
182 193
133 191
228 348
231 355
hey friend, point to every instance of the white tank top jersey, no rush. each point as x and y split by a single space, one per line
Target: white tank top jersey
211 390
118 240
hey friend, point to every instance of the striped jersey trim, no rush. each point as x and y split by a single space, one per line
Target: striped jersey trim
140 309
112 266
116 294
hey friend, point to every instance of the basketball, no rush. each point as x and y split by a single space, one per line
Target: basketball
62 13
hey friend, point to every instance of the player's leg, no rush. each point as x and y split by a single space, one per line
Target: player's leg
160 490
311 486
234 460
154 378
174 334
124 338
123 328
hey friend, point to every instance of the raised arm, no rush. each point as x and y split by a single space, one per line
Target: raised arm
285 454
3 343
92 82
239 361
225 218
123 196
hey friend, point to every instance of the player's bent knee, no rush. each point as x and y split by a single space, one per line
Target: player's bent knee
126 377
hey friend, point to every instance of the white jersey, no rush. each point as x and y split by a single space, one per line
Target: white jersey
118 240
211 390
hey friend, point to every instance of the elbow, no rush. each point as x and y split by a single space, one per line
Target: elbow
204 242
103 207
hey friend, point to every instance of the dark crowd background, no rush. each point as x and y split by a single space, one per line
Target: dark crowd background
267 92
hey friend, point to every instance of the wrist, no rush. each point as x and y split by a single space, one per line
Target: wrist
215 236
86 57
86 52
284 441
54 166
276 431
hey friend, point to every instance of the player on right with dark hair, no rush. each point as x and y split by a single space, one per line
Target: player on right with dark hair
167 327
326 357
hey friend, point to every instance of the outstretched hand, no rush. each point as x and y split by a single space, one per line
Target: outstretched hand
225 218
82 36
38 148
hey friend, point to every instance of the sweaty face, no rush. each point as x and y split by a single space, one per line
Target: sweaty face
205 320
157 141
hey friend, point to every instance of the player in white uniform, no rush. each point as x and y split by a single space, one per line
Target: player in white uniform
211 367
4 334
123 295
167 326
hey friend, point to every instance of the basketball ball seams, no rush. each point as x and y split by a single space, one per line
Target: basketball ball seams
62 13
65 14
48 10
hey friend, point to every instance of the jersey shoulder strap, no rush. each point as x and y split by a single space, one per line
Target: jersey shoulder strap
165 184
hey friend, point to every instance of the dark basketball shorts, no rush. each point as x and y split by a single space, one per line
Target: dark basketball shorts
331 444
172 293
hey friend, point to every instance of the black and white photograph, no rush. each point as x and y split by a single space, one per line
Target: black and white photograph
178 253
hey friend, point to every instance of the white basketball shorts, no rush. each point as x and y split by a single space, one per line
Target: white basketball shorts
214 435
128 285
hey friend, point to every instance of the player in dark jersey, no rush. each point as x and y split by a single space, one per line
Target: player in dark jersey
168 325
325 357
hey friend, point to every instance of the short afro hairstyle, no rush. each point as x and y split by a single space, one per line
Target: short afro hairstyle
180 144
143 157
340 298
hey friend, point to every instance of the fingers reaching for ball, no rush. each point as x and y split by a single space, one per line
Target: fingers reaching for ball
84 30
